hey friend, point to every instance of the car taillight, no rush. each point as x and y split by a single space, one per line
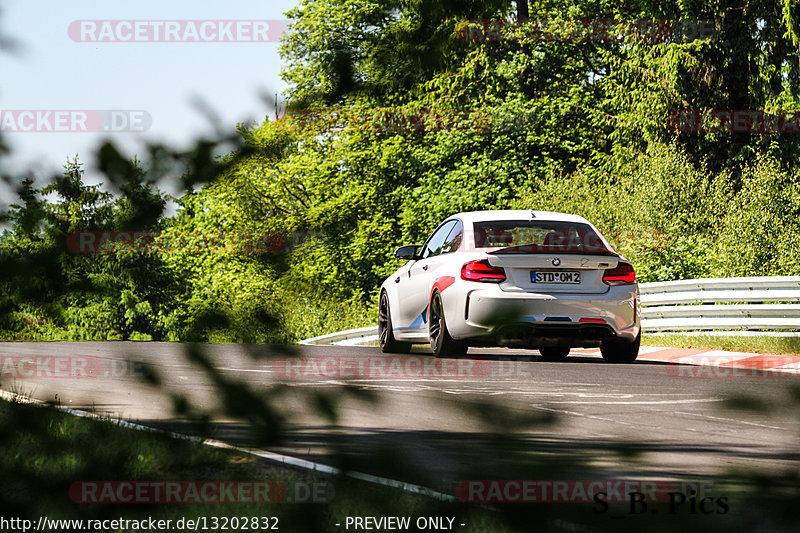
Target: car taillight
622 275
482 271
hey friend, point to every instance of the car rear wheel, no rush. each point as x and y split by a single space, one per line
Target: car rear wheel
620 350
441 341
385 335
554 354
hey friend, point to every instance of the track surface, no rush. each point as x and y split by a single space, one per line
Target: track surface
483 416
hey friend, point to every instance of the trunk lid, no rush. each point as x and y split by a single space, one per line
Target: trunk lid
547 273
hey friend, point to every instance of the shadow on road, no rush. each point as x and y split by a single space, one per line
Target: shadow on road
442 459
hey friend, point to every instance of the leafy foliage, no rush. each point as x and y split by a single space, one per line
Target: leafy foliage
289 234
397 117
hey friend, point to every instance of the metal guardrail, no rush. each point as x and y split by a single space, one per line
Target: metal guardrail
725 305
747 304
350 337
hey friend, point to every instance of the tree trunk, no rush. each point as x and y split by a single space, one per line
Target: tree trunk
522 10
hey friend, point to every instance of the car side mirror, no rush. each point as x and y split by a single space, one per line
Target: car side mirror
408 252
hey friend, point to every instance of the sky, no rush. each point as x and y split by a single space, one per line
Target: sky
89 80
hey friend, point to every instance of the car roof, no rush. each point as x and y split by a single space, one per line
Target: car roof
516 214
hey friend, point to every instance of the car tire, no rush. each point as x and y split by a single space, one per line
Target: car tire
554 354
386 338
441 341
621 350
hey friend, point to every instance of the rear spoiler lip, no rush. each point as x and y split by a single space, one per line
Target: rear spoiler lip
520 250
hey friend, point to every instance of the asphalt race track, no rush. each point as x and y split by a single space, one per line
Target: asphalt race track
493 414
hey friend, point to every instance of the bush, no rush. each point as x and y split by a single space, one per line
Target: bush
760 236
661 212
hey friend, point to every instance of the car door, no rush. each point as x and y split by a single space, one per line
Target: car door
413 288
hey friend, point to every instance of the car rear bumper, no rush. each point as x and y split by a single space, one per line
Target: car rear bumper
533 319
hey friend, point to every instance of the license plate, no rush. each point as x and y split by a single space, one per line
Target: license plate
566 276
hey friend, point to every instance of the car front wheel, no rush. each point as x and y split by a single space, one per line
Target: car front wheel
385 335
441 341
621 350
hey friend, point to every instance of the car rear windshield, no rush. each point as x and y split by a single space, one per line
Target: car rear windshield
539 237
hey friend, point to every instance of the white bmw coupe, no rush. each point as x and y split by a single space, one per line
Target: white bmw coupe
523 279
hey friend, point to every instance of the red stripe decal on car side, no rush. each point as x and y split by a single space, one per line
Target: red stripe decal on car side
442 283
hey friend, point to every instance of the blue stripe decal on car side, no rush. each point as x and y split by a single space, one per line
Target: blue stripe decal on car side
418 322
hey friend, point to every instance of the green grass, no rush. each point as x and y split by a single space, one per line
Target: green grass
761 344
303 317
43 451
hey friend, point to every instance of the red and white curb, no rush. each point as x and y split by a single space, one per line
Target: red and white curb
733 362
726 363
